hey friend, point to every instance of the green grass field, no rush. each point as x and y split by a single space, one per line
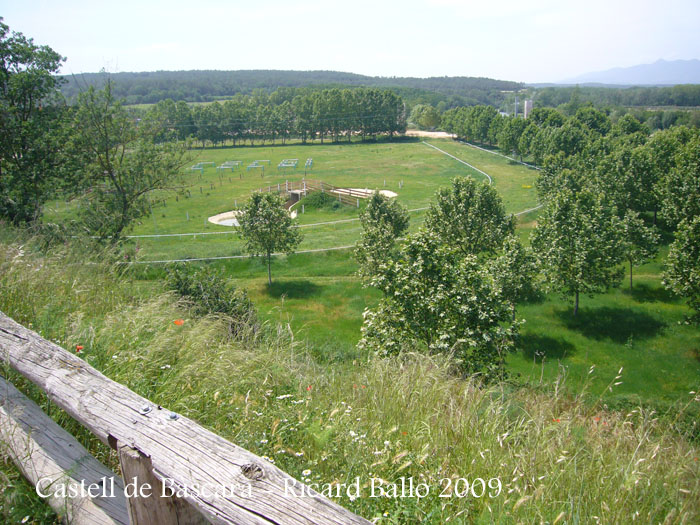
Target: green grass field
318 295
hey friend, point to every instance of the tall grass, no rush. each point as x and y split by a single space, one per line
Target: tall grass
559 458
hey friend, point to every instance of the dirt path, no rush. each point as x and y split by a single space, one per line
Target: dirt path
429 134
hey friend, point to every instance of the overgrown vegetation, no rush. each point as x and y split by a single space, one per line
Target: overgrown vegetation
211 293
556 455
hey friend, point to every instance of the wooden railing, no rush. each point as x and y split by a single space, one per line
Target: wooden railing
347 196
175 470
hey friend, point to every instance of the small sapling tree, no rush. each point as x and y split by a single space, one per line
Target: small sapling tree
266 228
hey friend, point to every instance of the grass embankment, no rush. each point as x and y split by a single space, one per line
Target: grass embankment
557 457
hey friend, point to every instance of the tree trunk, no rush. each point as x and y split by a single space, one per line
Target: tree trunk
630 274
269 272
576 305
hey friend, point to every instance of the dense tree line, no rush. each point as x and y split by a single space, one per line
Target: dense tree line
334 114
684 95
206 86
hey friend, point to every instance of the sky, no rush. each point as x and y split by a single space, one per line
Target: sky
521 40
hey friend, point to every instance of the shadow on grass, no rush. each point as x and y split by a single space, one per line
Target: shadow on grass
299 289
643 293
617 324
539 347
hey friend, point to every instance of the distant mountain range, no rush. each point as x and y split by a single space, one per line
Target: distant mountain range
660 73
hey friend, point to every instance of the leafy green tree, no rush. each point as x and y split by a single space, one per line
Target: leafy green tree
515 271
682 274
569 139
32 131
509 135
640 242
383 221
425 116
122 163
470 217
266 228
593 119
437 298
662 149
682 185
578 242
527 138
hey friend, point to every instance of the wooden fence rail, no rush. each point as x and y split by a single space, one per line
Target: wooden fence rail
213 479
347 196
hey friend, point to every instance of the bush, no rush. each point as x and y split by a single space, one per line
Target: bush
211 293
321 201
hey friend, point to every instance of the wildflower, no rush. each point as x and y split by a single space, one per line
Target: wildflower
179 322
78 348
308 388
299 454
556 420
263 441
363 386
596 419
306 472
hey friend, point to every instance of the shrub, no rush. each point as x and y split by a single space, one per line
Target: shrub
211 293
321 201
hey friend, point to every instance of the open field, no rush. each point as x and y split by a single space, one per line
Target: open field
421 170
306 398
318 295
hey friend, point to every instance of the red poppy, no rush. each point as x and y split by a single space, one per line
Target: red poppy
404 433
78 348
179 322
363 386
557 420
596 419
354 385
309 387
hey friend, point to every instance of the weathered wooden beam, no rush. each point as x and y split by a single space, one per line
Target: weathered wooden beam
154 506
49 456
226 483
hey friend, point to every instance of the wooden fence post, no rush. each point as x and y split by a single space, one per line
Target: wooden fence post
148 503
